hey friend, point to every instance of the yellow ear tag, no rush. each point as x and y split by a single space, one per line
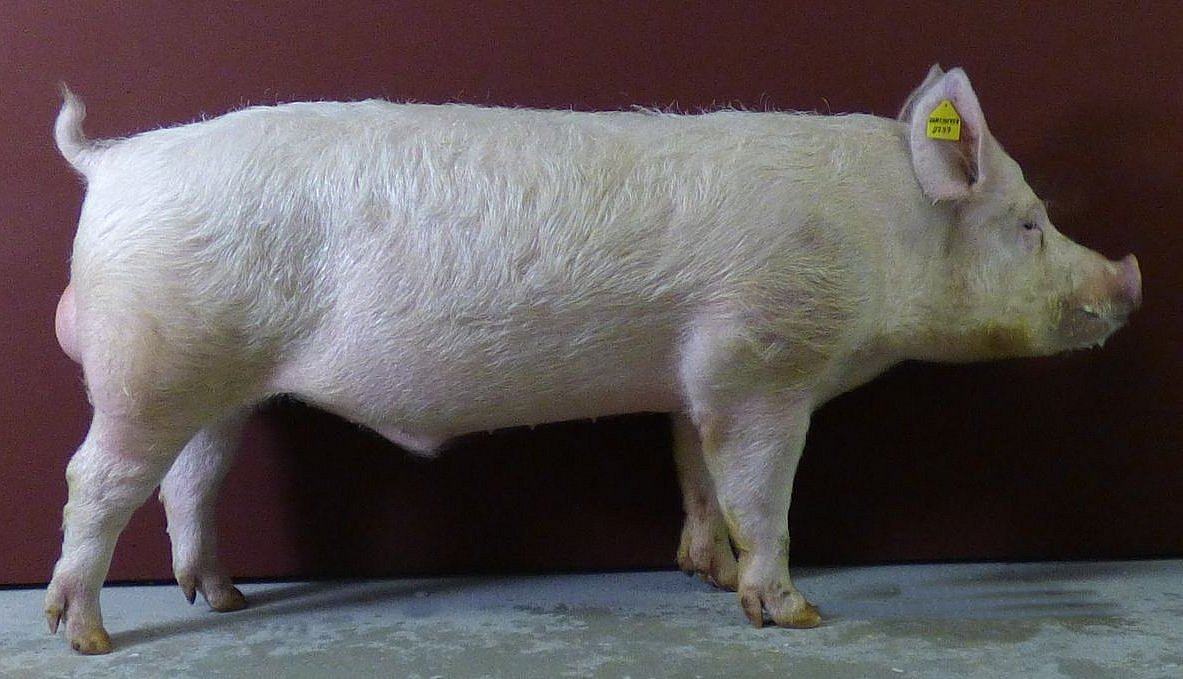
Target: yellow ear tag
944 122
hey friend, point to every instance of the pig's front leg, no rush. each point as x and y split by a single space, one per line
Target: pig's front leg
116 468
189 493
705 548
752 450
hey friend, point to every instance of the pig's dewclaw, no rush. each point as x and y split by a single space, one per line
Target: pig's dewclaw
189 589
53 616
55 608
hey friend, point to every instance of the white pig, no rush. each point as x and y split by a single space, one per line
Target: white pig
428 271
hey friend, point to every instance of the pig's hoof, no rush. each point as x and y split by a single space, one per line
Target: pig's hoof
788 609
217 590
92 642
226 599
803 618
707 553
720 571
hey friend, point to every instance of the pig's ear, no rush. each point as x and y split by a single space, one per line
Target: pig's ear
946 135
934 74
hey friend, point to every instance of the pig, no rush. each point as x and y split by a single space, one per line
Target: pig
427 271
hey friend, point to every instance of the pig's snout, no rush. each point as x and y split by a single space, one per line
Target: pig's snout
1102 304
1130 283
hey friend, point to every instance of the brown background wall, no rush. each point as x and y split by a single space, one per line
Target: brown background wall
1077 456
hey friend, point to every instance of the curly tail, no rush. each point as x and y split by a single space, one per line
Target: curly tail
67 132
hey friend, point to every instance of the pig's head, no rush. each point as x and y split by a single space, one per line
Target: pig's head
1007 283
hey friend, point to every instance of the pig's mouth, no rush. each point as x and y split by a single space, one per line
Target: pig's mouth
1084 326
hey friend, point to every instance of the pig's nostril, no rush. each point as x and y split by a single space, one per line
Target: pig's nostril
1131 280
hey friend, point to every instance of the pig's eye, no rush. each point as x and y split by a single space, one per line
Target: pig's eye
1034 235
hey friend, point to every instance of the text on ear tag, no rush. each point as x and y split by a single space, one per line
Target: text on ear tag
944 122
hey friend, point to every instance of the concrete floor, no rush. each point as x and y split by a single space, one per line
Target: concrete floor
1122 619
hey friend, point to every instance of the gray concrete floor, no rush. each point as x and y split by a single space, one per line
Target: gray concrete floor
1120 619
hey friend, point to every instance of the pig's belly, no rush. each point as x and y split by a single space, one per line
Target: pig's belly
428 386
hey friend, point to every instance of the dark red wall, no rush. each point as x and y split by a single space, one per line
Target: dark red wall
1077 456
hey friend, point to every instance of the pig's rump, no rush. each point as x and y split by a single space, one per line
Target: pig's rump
443 269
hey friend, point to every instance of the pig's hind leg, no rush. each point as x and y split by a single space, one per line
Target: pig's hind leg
114 471
705 547
154 385
189 494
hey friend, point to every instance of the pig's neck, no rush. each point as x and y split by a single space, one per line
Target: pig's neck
924 307
939 321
